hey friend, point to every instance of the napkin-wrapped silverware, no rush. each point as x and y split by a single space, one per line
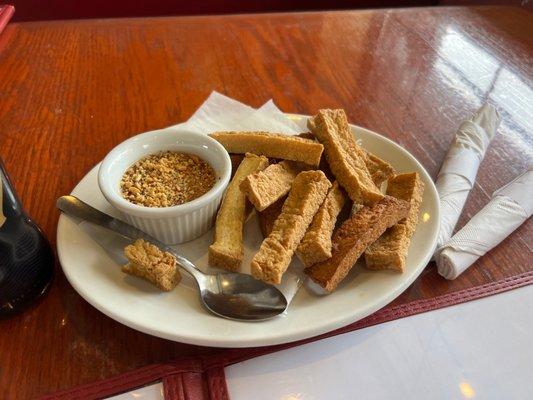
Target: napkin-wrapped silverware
459 169
509 207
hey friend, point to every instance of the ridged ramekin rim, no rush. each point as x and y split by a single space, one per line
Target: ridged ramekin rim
163 212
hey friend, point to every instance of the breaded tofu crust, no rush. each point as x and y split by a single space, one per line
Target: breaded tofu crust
227 250
316 244
308 192
273 145
149 262
345 158
352 238
390 250
380 170
265 187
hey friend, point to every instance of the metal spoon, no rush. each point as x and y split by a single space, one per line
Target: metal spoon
229 295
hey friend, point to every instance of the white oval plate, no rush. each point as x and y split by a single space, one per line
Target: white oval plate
178 315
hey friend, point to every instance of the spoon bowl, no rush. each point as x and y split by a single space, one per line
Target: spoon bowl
241 297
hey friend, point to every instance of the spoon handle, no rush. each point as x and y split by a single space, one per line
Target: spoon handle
74 207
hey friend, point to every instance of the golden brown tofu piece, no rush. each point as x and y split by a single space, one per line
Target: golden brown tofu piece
316 244
346 159
353 237
227 250
273 145
390 250
149 262
308 191
265 187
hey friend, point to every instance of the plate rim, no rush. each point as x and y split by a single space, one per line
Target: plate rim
280 338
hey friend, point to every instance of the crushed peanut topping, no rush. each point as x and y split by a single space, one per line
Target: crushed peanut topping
167 179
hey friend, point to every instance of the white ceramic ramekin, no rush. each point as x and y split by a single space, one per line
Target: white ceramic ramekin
171 225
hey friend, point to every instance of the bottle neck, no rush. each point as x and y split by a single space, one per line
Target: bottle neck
2 216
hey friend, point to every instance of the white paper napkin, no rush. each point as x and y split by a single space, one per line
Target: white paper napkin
459 169
221 113
509 207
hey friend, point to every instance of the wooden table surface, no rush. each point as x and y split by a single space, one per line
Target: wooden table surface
70 91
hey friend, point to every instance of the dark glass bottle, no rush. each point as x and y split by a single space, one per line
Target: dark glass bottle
26 260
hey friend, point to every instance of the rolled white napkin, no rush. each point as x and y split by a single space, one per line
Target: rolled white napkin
459 169
509 207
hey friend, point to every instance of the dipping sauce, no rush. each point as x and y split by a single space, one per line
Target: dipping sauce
167 179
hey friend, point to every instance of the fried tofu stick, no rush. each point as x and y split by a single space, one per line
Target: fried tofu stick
390 250
265 187
147 261
345 158
274 145
379 170
353 237
316 244
227 250
308 191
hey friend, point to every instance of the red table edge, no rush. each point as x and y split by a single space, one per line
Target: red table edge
6 12
194 378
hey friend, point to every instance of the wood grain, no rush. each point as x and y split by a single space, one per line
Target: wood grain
70 91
